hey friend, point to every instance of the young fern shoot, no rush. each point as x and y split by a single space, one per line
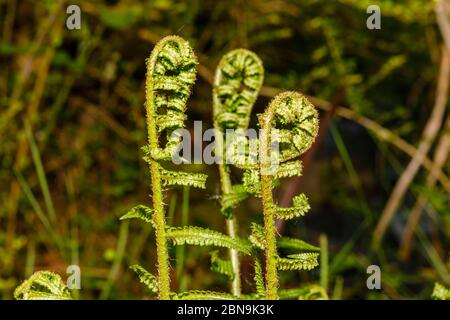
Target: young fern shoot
171 73
238 79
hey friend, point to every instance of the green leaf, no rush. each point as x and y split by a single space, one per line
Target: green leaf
311 292
221 266
205 237
252 182
296 244
202 295
140 212
170 178
43 285
300 261
146 277
300 208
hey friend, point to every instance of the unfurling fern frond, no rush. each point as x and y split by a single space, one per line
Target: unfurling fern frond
171 72
140 212
299 208
205 237
289 169
146 277
202 295
295 244
221 266
440 292
252 182
238 78
171 178
43 285
300 261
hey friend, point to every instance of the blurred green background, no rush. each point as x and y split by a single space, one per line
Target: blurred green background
72 124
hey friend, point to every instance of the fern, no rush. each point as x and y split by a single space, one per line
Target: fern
259 279
140 212
291 122
300 261
146 277
295 244
202 295
205 237
221 266
300 208
171 72
238 79
311 292
43 285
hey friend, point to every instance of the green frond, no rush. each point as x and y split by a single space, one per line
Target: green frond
257 237
221 266
295 244
140 212
43 285
440 292
146 277
299 208
300 261
289 169
171 73
311 292
258 278
294 124
171 178
237 195
202 295
238 78
205 237
252 182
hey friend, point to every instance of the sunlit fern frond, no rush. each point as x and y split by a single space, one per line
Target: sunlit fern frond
171 73
202 295
146 277
294 124
139 212
205 237
295 244
171 178
221 266
252 182
237 81
440 292
300 261
300 207
43 285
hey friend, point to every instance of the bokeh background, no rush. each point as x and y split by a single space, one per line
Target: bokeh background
72 125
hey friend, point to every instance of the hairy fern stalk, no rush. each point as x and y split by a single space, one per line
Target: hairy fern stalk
238 78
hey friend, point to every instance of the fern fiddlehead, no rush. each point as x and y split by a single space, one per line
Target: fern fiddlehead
238 78
171 73
291 122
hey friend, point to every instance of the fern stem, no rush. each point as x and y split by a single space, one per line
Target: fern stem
268 209
159 215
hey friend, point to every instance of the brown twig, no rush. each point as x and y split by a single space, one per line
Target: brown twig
428 136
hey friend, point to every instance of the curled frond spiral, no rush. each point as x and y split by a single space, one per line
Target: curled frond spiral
238 78
171 73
